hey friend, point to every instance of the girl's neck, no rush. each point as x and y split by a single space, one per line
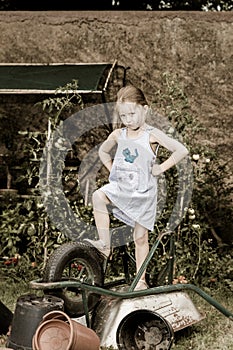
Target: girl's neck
135 133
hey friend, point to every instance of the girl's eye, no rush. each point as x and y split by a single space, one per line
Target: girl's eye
131 114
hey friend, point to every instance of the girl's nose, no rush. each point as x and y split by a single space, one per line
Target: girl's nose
128 118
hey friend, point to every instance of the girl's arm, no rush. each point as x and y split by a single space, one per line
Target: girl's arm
106 147
179 151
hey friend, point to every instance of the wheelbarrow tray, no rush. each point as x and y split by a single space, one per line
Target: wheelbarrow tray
175 307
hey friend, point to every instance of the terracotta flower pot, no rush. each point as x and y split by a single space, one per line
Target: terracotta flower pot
58 331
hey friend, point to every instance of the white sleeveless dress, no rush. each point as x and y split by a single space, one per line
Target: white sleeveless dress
132 189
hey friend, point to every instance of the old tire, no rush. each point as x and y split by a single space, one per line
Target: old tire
76 262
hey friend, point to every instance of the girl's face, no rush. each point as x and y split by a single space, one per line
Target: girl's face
132 114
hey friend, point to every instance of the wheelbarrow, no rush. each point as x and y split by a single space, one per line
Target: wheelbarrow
123 318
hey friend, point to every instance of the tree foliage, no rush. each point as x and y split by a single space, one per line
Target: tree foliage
156 5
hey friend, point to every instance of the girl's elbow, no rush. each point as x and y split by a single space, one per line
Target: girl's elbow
100 151
186 152
183 153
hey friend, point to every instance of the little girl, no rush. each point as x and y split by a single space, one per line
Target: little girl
132 187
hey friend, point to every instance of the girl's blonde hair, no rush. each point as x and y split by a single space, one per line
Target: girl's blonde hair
131 93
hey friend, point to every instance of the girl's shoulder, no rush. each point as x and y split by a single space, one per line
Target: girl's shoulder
153 133
115 134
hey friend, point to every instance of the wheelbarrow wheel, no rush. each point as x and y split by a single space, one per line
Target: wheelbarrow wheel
75 262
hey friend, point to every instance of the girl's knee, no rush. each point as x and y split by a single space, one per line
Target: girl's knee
99 197
141 238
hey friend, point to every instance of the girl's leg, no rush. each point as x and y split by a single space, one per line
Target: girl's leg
102 222
141 251
101 215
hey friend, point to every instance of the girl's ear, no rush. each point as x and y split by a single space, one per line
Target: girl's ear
146 107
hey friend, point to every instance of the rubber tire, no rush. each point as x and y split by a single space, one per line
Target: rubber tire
56 265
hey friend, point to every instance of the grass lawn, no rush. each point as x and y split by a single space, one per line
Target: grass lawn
215 332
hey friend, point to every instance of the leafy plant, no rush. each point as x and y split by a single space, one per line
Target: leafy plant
56 109
28 237
27 233
9 150
203 238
